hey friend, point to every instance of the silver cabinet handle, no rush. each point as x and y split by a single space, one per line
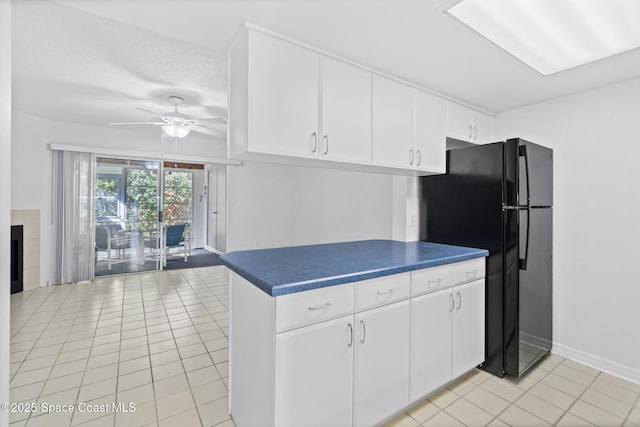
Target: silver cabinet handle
320 307
315 142
390 291
451 303
475 133
350 335
470 131
459 300
438 281
411 156
326 148
472 273
419 158
364 332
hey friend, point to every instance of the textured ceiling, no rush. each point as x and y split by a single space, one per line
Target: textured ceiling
77 67
94 61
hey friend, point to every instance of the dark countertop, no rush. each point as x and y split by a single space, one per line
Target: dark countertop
281 271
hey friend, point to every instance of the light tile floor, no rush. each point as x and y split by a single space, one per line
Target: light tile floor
159 340
556 391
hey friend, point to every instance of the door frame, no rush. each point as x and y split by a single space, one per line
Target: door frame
213 195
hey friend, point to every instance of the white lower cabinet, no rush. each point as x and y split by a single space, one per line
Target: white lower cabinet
430 362
381 373
353 354
442 353
314 383
468 327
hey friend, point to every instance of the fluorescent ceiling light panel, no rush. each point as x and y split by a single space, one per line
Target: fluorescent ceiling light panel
555 35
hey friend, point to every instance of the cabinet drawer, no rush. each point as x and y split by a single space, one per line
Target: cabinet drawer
431 279
468 271
382 290
308 307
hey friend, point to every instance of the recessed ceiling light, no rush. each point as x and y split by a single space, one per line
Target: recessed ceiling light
555 35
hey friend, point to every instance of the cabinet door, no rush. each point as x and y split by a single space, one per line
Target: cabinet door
392 118
429 134
283 97
483 128
468 327
459 121
381 380
430 365
314 374
346 112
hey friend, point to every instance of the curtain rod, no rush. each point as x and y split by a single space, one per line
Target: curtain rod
148 155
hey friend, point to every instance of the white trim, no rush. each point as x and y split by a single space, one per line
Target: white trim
149 155
622 371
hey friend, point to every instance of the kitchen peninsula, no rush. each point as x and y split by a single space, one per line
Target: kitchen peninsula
350 333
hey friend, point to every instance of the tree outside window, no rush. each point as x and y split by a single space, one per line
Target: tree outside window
107 197
178 197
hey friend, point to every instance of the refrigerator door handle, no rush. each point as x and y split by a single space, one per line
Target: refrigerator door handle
523 152
522 262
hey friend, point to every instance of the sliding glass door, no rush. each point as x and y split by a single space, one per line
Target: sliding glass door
128 203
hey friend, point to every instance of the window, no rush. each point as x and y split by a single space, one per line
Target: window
178 197
107 196
141 198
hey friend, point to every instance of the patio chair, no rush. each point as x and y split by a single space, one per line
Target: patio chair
111 237
176 237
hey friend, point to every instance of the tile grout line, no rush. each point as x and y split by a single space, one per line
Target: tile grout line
181 359
182 363
497 417
60 351
635 405
577 399
36 340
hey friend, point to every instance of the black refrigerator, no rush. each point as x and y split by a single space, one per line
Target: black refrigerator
499 197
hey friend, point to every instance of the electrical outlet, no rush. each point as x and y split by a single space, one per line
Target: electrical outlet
412 220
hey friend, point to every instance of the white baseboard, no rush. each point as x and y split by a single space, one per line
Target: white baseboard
597 362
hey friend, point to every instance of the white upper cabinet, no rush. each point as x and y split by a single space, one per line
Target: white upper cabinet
284 97
291 103
429 132
346 112
392 123
408 127
470 125
483 128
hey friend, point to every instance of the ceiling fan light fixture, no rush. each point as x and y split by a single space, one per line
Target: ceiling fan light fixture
174 131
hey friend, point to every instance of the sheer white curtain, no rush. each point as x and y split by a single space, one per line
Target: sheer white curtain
73 216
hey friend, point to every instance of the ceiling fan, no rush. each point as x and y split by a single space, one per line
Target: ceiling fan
177 125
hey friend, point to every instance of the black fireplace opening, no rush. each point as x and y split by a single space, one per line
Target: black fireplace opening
17 261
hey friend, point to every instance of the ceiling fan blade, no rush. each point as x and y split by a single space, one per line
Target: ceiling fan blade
137 123
150 112
214 120
200 129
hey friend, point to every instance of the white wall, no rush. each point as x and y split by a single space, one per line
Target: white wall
276 205
31 162
596 146
5 190
199 232
406 208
